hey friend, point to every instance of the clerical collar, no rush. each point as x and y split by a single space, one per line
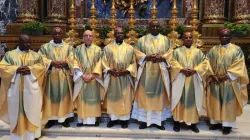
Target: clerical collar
225 46
88 46
119 43
189 47
56 44
157 36
18 50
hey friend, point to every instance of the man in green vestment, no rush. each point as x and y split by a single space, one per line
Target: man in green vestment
21 92
152 98
57 101
88 85
189 68
226 91
119 66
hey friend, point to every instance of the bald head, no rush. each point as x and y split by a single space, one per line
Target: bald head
57 34
119 35
87 32
24 42
57 29
154 27
88 37
154 21
23 37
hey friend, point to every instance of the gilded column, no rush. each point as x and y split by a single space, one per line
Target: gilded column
132 35
194 25
112 22
214 11
57 11
242 11
154 11
93 23
173 35
72 34
28 11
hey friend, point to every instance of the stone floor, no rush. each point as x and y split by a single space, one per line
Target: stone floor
241 132
79 138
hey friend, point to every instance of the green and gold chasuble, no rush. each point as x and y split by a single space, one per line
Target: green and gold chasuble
88 94
188 92
153 90
57 101
22 107
226 100
119 90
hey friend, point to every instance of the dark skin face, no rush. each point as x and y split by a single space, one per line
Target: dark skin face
225 38
119 35
24 43
57 35
154 27
187 39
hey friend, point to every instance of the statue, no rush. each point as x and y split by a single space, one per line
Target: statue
189 6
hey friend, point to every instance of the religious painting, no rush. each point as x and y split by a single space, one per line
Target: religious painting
142 8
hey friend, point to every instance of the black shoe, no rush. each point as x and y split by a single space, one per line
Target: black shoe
176 127
143 125
124 124
79 124
111 124
96 124
194 128
50 124
36 139
215 126
161 127
226 130
65 124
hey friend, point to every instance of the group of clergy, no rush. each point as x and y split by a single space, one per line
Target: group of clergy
152 80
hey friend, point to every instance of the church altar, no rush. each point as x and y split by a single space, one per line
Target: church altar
204 17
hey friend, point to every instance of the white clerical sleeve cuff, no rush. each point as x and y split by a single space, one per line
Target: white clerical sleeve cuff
106 70
77 74
231 76
168 65
142 60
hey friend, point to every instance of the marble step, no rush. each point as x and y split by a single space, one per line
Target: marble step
242 132
5 137
150 133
